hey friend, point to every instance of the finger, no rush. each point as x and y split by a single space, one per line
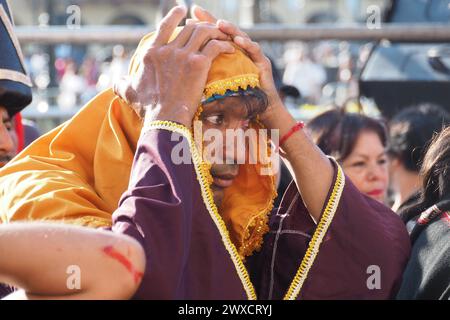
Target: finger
215 47
252 48
183 37
191 21
201 14
202 34
168 25
231 29
122 88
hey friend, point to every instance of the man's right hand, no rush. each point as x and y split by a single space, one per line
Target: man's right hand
170 82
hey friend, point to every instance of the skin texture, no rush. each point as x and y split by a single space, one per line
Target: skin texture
403 182
222 115
169 67
8 138
53 248
367 166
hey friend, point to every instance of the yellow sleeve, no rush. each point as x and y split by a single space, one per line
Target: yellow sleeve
77 172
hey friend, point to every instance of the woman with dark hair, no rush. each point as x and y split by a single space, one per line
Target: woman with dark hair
427 275
358 143
410 133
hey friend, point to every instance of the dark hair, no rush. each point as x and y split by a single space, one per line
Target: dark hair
436 176
335 131
255 100
411 131
436 169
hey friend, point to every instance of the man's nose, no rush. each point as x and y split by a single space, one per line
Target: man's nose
234 153
6 143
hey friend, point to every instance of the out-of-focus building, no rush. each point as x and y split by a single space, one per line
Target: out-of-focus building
243 12
65 76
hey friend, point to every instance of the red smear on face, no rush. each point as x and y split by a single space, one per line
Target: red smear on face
116 255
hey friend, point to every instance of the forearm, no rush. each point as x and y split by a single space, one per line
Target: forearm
45 260
312 170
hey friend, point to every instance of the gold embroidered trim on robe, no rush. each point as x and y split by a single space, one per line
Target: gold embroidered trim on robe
202 177
317 238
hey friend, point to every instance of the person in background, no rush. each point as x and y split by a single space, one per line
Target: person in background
8 137
410 132
31 132
304 73
358 143
15 89
427 275
15 93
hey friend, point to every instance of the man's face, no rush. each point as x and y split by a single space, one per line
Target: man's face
8 138
222 115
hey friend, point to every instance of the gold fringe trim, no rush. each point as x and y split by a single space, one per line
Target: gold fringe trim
259 224
260 228
319 234
203 177
88 221
233 84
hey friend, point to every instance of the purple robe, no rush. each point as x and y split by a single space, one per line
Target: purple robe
187 256
365 239
164 211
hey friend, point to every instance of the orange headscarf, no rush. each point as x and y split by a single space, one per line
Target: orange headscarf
77 172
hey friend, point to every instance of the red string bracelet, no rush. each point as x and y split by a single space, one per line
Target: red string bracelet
298 126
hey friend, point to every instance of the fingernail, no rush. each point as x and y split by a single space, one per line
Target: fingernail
181 7
239 40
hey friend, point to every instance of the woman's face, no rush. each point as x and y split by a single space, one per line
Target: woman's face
367 166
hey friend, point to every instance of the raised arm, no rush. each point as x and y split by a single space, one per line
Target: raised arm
57 261
312 170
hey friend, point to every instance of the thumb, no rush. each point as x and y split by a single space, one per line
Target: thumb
122 88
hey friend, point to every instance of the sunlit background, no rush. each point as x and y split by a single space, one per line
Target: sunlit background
66 76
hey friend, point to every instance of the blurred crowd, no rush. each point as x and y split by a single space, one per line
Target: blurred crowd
324 73
77 77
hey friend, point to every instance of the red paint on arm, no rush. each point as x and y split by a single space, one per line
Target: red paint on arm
116 255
